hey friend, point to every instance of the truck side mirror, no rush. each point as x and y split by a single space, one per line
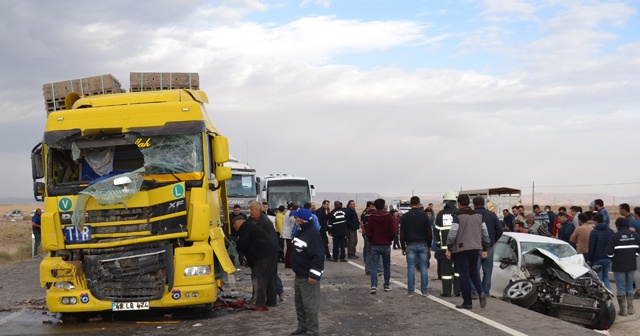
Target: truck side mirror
37 163
220 150
38 191
223 173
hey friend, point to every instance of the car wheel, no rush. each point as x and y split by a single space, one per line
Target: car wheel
606 317
523 293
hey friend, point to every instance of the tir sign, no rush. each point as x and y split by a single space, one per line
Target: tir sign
142 143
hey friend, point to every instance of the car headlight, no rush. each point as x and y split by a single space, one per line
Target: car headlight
64 285
197 270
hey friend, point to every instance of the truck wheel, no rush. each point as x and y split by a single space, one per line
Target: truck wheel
523 293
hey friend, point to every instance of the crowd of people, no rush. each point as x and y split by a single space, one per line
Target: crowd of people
591 234
462 235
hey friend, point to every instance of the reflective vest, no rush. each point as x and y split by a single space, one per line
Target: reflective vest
443 225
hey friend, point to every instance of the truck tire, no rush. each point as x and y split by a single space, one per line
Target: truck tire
523 293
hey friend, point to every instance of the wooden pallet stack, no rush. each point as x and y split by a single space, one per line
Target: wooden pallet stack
54 93
152 81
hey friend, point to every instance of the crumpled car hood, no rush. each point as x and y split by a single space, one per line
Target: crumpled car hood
573 265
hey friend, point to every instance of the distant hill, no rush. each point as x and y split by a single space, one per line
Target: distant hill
553 199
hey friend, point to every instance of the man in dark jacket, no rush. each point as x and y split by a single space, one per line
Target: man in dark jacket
261 250
623 247
552 216
353 223
467 237
380 233
508 219
597 255
494 227
445 265
415 239
323 218
338 230
565 228
260 218
308 264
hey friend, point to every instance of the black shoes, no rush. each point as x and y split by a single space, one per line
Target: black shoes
463 306
483 301
343 260
299 331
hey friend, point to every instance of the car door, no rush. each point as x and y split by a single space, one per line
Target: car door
505 264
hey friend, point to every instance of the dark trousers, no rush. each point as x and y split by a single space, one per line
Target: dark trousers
352 241
467 265
264 275
448 275
287 255
339 245
325 241
307 299
37 238
396 241
281 244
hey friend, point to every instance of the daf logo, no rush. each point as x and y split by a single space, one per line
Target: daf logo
173 206
236 201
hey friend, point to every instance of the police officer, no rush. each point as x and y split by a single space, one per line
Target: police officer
443 223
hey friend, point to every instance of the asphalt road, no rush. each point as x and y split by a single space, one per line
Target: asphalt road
347 308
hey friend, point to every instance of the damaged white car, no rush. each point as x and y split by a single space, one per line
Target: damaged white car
547 275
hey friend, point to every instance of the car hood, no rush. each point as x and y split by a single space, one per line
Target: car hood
573 265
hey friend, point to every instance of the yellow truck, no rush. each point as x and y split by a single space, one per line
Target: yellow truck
133 186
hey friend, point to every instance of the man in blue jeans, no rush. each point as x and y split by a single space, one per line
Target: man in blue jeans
597 255
380 232
494 228
415 238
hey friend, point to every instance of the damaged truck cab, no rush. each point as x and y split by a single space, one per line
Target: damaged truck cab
133 185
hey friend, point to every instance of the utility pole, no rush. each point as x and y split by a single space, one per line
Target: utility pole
533 193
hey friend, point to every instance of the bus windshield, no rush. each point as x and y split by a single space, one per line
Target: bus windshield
284 192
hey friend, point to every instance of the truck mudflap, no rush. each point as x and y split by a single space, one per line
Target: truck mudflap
216 240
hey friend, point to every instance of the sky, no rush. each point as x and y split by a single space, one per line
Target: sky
390 97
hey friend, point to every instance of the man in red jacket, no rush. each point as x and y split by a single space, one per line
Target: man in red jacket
380 232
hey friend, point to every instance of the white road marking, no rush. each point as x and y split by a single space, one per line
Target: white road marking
469 313
10 317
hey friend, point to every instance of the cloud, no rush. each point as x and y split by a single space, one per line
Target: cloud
559 111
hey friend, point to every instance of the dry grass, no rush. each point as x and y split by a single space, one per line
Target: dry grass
15 236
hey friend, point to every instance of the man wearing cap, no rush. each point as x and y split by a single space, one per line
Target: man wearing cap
261 250
307 260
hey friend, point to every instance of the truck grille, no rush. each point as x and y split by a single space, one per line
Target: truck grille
123 224
126 274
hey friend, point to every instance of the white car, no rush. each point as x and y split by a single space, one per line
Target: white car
547 275
15 214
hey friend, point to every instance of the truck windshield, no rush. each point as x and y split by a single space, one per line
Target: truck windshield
283 192
86 160
241 186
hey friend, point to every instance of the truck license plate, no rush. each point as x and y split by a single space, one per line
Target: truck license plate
119 306
73 235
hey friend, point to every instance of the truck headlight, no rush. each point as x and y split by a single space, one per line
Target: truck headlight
197 270
64 285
